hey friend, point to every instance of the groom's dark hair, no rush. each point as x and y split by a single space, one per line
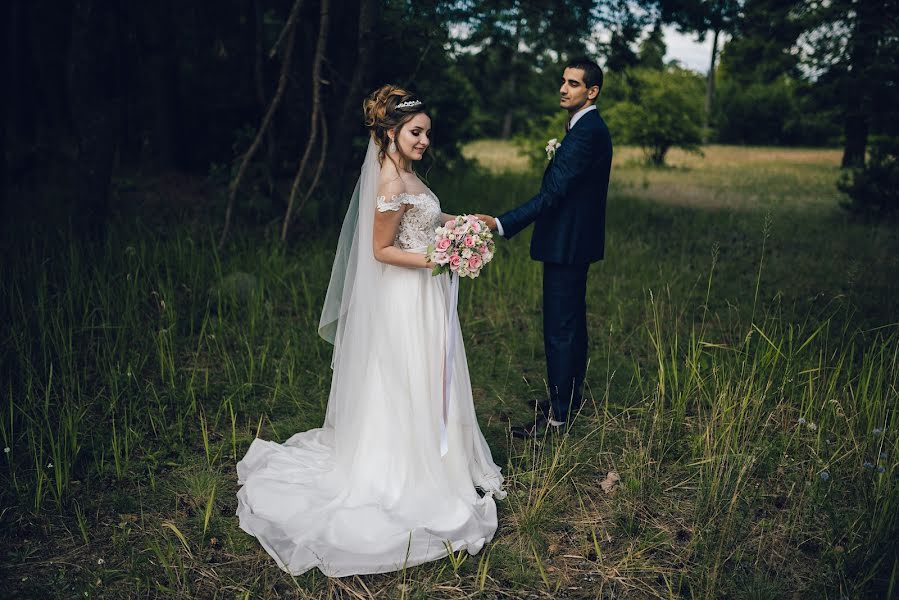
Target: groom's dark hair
592 72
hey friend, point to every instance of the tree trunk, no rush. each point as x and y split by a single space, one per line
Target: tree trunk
511 83
288 36
95 100
657 155
6 75
49 31
710 90
862 48
20 94
856 132
163 79
317 122
350 118
507 117
506 132
259 81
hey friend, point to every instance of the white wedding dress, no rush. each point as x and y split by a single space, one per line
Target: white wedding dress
388 481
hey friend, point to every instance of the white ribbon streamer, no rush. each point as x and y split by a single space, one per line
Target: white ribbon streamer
452 324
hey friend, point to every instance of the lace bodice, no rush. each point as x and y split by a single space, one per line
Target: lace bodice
422 217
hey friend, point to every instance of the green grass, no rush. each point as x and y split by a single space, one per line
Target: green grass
744 343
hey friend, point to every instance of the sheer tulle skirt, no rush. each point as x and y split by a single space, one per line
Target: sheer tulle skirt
369 492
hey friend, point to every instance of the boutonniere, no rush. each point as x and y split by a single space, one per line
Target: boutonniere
551 147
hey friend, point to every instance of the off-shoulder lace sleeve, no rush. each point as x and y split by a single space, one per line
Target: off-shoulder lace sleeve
390 195
393 204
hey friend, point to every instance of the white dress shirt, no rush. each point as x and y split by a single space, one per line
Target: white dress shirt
574 119
577 116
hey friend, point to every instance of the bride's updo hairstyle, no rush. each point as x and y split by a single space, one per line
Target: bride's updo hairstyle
382 115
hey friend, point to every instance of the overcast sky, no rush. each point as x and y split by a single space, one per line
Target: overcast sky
684 48
681 47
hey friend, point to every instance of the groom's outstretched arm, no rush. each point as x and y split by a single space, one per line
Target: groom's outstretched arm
572 159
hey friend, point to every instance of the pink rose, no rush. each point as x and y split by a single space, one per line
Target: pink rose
483 249
442 244
474 261
469 241
450 224
454 261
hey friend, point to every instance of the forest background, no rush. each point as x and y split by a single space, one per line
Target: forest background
103 88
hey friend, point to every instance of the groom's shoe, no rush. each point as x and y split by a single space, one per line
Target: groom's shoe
532 430
529 430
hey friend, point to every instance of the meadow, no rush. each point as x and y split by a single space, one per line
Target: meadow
740 438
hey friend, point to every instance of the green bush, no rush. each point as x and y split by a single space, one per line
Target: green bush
874 188
779 112
656 110
757 113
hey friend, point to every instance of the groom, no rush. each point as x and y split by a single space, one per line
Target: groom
569 233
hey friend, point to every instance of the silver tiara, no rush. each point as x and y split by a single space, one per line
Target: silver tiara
408 104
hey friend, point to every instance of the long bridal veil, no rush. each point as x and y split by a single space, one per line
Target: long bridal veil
348 311
349 261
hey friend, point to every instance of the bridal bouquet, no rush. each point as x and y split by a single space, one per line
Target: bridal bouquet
462 246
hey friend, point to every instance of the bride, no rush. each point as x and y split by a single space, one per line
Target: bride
399 473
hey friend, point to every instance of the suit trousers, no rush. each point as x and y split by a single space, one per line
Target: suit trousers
565 335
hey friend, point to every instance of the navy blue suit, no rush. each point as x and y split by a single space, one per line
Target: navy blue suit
569 233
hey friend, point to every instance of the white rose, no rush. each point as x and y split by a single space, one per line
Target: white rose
551 147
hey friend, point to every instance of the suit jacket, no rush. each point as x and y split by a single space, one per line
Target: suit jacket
569 211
